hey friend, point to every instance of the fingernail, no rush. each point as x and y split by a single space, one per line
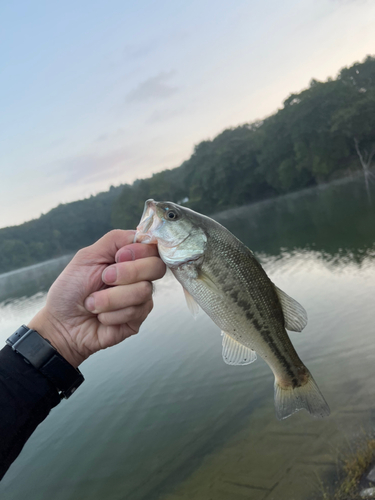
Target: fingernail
110 274
90 304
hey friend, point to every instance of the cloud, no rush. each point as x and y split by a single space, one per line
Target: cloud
101 138
161 42
153 88
161 115
125 163
106 137
139 51
89 168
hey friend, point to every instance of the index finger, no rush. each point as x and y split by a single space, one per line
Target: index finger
104 250
136 251
125 273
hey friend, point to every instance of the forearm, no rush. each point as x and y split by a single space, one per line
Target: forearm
80 317
26 398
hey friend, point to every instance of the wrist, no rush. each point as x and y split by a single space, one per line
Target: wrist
52 330
41 355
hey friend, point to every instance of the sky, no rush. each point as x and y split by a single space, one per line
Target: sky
95 93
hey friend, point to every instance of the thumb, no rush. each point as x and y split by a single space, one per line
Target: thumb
104 250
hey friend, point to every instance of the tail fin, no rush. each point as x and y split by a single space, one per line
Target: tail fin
308 396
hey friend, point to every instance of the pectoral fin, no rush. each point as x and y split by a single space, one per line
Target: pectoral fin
209 283
295 315
235 353
192 305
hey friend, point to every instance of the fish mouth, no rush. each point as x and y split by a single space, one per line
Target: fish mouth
149 223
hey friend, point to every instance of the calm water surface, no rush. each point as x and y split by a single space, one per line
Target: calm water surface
163 417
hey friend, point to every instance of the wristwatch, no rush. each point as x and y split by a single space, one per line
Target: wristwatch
40 353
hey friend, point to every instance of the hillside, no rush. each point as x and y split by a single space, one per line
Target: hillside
324 132
63 230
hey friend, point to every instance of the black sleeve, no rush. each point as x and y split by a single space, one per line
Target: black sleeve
26 398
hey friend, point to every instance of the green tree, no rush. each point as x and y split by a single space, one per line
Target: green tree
320 133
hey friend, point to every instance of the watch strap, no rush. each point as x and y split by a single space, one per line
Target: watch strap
40 353
20 332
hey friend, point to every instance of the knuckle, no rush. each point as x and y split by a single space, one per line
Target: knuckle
135 326
132 272
130 329
162 268
145 310
103 319
127 273
146 289
148 307
115 232
144 316
81 254
103 301
131 312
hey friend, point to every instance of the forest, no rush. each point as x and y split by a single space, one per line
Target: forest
61 231
325 132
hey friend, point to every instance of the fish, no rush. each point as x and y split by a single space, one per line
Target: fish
222 276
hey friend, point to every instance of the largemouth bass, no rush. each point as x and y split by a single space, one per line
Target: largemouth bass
218 272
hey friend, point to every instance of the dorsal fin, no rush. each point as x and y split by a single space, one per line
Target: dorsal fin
295 315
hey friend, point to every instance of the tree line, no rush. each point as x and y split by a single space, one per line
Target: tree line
322 133
61 231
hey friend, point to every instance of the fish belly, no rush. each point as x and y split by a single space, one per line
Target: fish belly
249 320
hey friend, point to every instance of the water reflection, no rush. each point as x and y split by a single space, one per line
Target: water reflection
27 281
162 417
336 221
23 293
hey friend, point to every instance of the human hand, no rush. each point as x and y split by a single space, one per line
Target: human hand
82 315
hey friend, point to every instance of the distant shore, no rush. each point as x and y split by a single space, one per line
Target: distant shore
30 279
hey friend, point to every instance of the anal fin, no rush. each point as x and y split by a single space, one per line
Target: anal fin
235 353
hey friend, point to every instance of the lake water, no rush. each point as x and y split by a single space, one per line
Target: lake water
161 416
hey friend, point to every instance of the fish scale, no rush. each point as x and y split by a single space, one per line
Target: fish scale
254 294
223 277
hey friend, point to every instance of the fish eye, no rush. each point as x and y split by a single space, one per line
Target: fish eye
171 215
